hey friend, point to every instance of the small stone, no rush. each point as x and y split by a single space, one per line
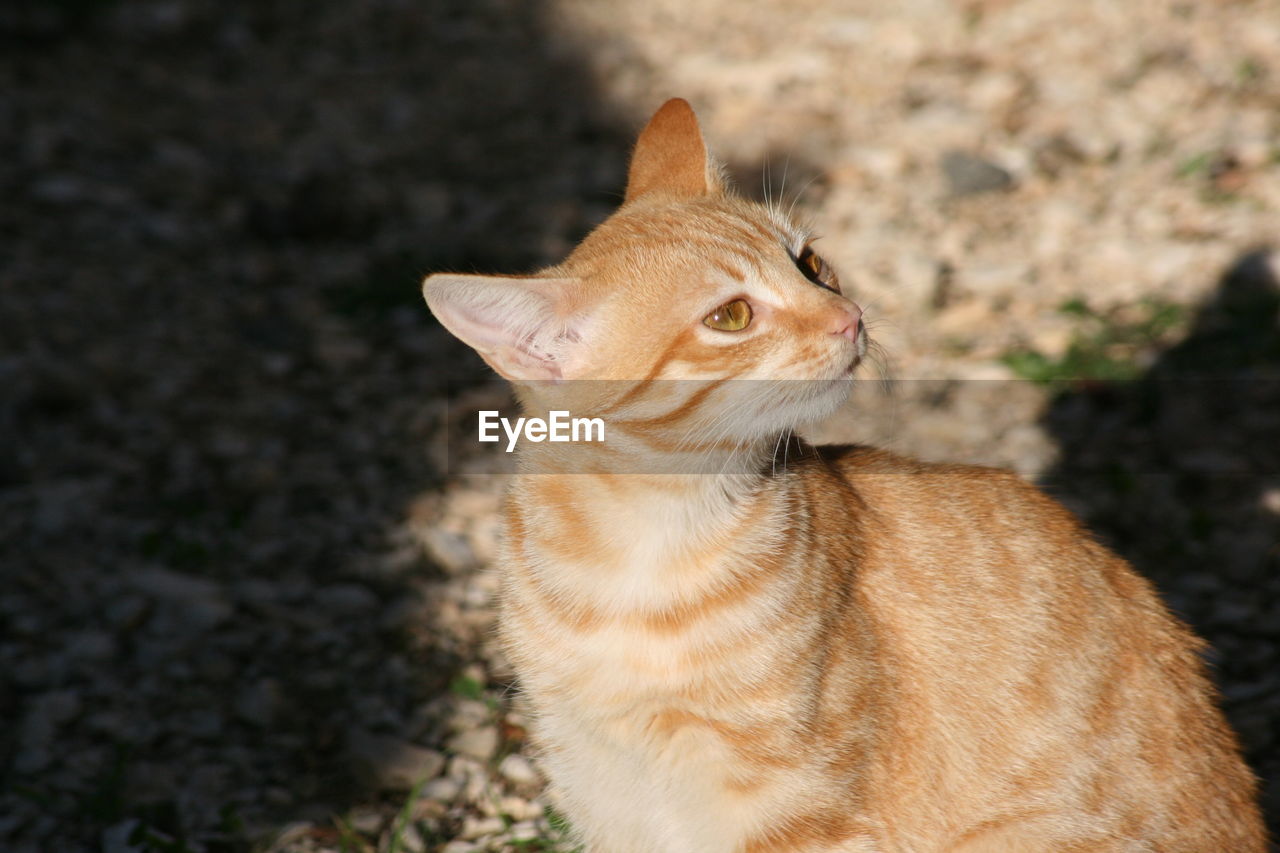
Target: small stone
448 550
365 820
462 768
1271 501
477 790
519 809
469 713
290 833
517 770
968 174
390 763
473 827
411 839
525 830
480 743
442 790
459 846
429 810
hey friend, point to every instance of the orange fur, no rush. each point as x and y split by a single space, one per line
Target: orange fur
808 650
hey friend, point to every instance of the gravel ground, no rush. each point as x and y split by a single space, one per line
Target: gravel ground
245 602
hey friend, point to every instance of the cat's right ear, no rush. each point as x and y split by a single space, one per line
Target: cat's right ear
519 325
670 156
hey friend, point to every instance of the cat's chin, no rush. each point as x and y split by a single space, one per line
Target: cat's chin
824 399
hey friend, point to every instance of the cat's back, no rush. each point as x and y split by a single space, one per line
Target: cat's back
1025 651
948 551
964 521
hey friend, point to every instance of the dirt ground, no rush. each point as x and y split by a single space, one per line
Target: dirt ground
244 602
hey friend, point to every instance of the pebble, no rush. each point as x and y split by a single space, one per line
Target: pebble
448 550
366 820
1271 501
469 713
411 840
969 174
518 808
479 743
443 789
478 827
517 770
459 846
390 763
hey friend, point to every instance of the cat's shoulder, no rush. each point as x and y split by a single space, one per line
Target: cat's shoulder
859 460
872 471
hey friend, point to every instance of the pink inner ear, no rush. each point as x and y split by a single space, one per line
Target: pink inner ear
670 156
515 324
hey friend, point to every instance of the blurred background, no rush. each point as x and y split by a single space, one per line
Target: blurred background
243 604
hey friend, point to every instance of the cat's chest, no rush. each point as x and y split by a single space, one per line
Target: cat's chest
640 622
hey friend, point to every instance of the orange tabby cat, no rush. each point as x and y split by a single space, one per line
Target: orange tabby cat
851 651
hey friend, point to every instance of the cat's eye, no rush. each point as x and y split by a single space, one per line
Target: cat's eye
817 270
731 317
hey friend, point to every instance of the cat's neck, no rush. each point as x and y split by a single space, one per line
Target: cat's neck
655 514
623 427
615 545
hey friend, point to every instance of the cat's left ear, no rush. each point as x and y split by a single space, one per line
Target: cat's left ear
670 157
521 326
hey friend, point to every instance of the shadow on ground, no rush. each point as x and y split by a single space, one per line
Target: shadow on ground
217 381
1180 472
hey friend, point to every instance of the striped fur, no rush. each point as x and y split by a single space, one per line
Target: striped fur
848 651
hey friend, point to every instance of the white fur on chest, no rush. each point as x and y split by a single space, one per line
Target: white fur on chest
636 721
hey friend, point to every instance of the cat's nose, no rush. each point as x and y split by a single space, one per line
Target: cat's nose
848 322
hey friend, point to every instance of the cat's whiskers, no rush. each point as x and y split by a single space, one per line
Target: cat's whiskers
799 195
784 443
699 435
764 180
782 189
773 462
760 392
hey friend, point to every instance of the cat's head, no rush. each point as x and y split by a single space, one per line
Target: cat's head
687 282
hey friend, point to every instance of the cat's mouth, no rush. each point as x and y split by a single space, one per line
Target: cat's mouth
851 366
859 350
